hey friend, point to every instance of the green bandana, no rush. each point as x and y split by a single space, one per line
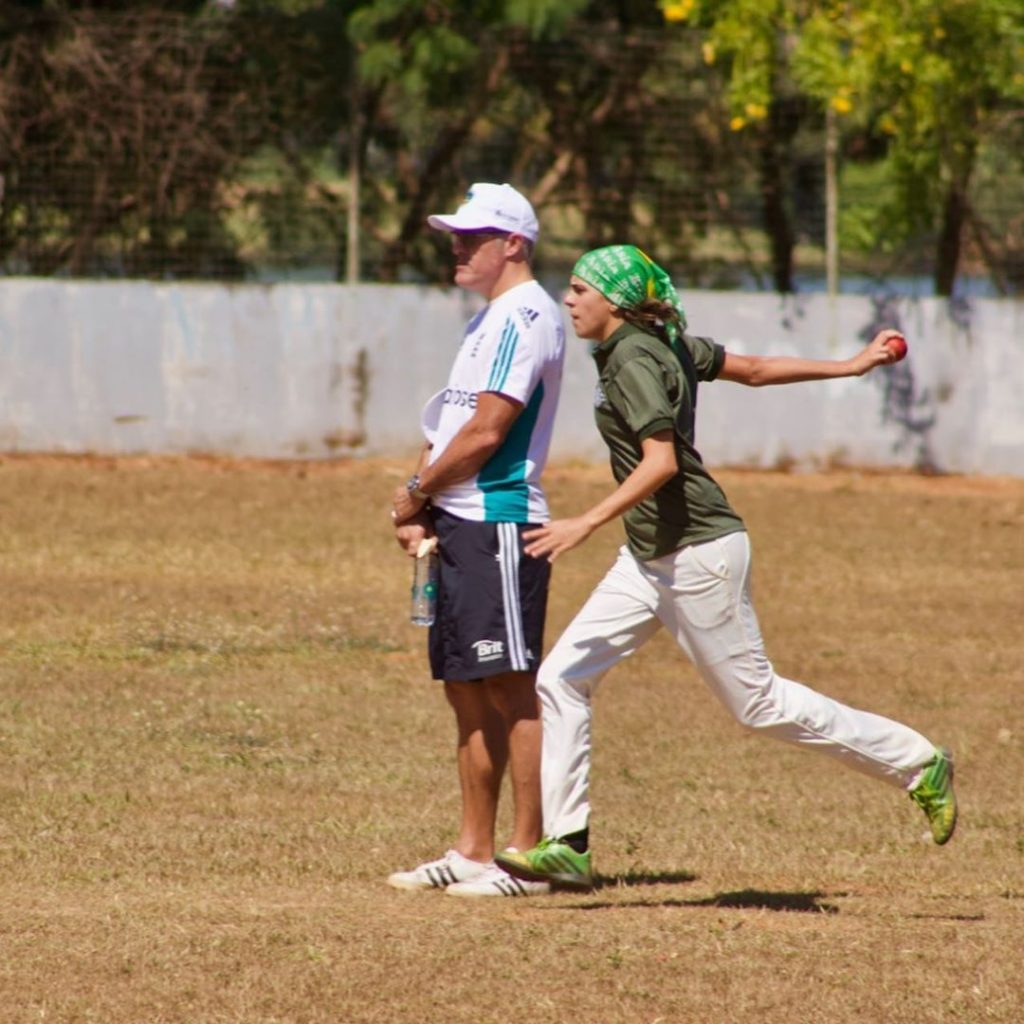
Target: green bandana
625 275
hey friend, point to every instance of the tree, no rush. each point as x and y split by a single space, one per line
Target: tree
614 126
931 76
756 40
116 132
428 74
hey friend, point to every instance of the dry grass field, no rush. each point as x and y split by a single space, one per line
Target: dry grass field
217 737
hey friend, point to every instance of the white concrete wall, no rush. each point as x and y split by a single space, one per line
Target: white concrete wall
315 371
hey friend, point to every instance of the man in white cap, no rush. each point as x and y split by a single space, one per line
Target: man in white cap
477 489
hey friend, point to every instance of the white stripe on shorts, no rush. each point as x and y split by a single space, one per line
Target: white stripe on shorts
508 562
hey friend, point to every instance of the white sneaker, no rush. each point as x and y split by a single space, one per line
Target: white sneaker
496 882
439 874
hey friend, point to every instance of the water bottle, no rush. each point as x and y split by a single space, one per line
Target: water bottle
426 571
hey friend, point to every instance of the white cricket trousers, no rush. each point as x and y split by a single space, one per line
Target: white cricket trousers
702 594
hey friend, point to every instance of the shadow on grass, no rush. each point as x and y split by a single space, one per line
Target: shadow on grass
638 878
744 899
752 899
947 917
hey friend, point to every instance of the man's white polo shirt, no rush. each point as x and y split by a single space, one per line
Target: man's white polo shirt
514 346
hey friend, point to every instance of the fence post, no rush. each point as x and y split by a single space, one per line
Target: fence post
831 217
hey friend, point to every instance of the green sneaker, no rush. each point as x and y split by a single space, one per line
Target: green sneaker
934 795
552 861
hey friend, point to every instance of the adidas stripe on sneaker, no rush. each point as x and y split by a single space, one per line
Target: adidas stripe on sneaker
495 882
448 870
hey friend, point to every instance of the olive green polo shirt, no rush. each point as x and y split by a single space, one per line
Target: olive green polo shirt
644 387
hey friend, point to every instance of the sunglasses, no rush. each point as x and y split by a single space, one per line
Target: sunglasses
474 239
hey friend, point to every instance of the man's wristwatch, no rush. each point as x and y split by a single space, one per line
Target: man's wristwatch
412 485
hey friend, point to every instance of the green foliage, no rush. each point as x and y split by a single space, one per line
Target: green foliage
866 224
927 75
294 211
696 124
751 36
931 76
543 17
399 46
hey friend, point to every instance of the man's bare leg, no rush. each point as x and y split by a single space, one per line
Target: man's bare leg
481 755
515 696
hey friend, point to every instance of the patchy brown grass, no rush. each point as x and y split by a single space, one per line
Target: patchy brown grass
217 737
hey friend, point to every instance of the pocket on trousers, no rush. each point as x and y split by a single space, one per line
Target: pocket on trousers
705 595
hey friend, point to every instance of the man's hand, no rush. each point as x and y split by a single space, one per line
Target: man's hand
404 506
410 532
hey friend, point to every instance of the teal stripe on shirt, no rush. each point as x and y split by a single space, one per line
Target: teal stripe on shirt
502 480
503 357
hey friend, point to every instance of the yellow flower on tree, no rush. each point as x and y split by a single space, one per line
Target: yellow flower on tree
678 10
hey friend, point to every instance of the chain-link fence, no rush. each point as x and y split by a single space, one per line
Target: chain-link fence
241 146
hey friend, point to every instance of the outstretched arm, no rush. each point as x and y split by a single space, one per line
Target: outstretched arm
657 466
757 371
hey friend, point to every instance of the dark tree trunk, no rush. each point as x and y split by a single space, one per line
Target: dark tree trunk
947 252
775 216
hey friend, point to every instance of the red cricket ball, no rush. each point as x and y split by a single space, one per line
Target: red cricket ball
897 345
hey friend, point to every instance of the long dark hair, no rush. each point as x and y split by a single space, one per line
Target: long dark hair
652 316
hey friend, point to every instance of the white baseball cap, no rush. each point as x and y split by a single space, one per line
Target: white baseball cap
490 207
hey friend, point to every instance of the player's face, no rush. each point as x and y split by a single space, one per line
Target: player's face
593 316
480 258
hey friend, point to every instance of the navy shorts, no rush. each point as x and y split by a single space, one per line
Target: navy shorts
491 601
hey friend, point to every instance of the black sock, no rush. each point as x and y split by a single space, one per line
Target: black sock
579 841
